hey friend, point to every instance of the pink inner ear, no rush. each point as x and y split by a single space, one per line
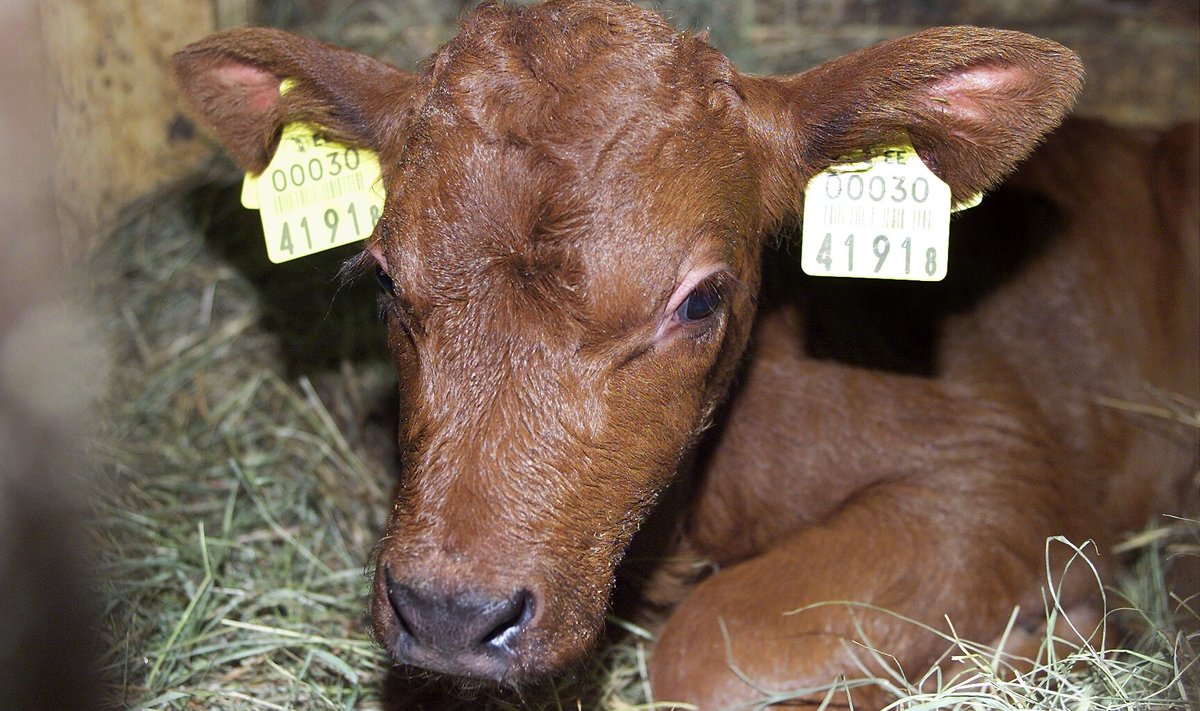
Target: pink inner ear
259 88
968 92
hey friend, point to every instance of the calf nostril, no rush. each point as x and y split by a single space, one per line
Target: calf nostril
394 598
404 623
513 614
397 596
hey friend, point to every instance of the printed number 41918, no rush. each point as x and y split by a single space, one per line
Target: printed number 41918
303 241
842 252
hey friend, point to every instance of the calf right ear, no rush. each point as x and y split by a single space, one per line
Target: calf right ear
974 101
231 81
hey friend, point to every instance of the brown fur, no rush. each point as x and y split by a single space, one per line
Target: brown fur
559 176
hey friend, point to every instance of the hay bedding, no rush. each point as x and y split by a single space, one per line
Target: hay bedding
228 499
245 467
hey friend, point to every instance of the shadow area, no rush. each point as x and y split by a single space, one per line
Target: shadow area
319 320
896 326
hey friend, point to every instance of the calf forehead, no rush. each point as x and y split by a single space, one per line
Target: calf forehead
557 144
518 72
498 234
577 83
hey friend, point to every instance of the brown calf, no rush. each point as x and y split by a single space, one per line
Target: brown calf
581 206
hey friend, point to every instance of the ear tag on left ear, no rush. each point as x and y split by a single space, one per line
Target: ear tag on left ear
880 214
316 194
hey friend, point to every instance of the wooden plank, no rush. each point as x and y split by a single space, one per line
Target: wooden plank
234 13
118 131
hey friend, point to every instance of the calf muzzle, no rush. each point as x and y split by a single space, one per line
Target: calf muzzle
467 634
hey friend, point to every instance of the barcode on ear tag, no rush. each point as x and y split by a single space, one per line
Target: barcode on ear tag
315 195
879 215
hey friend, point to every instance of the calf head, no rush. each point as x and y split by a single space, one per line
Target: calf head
577 198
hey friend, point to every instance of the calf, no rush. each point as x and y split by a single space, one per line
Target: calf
581 207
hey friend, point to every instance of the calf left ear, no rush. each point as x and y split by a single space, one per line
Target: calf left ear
231 80
974 101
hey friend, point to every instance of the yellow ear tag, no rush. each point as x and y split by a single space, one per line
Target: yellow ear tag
316 194
879 214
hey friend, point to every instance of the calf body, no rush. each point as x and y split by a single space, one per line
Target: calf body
934 496
580 205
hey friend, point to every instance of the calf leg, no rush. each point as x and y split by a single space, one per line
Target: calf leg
965 542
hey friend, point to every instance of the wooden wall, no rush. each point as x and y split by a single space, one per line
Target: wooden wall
118 132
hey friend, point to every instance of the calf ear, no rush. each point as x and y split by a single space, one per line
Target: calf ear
974 101
231 82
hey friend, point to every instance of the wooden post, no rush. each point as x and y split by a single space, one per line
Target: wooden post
118 130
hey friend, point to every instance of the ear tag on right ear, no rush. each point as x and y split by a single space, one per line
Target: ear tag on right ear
881 214
316 194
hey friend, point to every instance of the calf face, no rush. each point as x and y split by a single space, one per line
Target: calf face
577 197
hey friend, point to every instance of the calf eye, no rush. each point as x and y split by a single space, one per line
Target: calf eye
700 304
385 281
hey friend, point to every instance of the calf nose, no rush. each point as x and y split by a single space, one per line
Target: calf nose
465 633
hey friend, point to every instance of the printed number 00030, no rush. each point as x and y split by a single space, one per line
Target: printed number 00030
299 173
332 219
875 188
881 247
